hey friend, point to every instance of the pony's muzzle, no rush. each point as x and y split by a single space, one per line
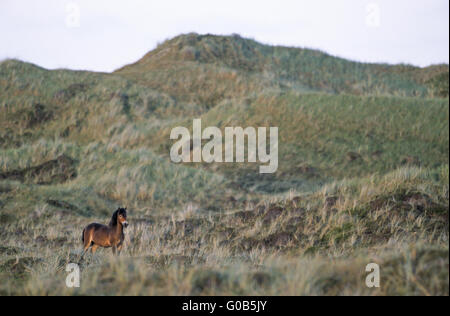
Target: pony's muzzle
125 224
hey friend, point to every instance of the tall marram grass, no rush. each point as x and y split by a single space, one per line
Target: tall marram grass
300 245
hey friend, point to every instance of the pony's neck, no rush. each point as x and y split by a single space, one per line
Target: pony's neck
113 224
117 227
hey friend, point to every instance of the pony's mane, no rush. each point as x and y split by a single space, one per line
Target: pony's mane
113 221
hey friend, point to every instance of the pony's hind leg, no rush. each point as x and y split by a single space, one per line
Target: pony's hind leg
87 241
85 249
94 248
83 253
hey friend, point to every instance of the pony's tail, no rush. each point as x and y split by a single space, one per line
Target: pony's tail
82 236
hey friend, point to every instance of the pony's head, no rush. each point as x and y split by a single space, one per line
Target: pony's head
119 217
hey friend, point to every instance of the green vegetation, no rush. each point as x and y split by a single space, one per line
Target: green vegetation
363 174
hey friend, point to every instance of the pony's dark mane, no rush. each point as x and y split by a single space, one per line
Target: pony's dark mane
113 221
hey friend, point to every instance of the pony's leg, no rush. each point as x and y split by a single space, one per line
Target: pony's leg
94 248
119 249
85 249
83 253
114 250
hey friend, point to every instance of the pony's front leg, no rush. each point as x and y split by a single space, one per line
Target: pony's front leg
114 250
119 248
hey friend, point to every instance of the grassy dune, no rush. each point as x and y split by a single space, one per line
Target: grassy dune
308 244
362 177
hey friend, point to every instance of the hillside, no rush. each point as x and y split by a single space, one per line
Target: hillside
363 173
191 60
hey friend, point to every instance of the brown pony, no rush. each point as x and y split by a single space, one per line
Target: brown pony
98 235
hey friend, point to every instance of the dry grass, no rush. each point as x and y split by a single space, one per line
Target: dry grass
298 245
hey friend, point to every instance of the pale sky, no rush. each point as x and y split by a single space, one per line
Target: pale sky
103 35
